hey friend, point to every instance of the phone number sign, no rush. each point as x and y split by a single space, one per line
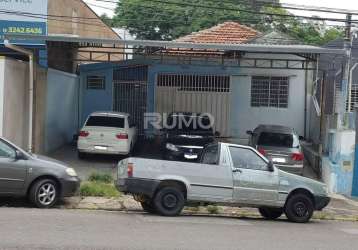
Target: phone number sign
26 28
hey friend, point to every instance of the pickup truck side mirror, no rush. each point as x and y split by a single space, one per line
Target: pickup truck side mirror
249 132
270 166
19 156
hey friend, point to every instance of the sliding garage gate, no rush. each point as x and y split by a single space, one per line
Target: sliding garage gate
130 93
195 93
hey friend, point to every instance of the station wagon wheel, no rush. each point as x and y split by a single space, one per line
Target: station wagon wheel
44 193
169 201
299 208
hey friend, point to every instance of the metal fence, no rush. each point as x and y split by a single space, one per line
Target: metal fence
130 93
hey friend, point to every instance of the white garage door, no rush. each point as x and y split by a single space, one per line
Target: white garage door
195 93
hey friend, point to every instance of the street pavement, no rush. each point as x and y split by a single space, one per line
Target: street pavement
25 228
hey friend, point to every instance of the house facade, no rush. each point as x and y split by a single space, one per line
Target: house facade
241 90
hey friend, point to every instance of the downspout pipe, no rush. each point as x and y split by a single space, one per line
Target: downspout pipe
30 55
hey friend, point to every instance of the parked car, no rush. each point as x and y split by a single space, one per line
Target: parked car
279 144
185 139
43 180
107 133
227 174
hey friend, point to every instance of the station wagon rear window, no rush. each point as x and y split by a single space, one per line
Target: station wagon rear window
277 140
105 121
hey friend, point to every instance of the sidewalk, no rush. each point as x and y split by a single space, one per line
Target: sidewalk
340 208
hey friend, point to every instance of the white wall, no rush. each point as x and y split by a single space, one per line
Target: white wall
2 82
244 117
15 102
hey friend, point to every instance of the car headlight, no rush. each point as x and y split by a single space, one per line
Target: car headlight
71 172
171 147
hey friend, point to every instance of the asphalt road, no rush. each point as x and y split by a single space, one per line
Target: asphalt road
23 228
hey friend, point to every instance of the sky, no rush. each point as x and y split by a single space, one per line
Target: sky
103 7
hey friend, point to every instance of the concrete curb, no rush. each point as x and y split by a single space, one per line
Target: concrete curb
341 211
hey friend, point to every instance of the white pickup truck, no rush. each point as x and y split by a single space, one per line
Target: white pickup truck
228 174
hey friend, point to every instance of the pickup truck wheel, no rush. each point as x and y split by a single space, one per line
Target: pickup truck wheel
299 208
148 207
169 201
44 193
271 213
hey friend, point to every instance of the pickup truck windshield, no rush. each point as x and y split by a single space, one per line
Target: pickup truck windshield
105 121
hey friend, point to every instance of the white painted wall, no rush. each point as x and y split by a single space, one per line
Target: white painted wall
15 102
2 82
244 117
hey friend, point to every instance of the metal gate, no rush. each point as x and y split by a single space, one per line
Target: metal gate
130 93
196 93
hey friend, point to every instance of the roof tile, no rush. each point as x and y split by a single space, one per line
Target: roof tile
228 32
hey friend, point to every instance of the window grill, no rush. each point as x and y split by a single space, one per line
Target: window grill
354 97
96 82
196 83
269 91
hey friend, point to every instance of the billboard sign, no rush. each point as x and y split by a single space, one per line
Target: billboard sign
23 17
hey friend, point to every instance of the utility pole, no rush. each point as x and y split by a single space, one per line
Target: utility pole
346 71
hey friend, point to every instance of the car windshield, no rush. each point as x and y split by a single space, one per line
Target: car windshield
105 121
187 123
278 140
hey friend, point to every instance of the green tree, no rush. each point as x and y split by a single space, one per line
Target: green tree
313 32
161 21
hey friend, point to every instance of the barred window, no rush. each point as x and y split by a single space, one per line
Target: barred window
197 83
96 82
269 91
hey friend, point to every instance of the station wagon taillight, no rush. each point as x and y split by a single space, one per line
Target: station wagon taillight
297 157
122 136
262 151
84 133
130 169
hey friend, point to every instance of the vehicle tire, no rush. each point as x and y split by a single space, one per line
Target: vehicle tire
148 207
44 193
299 208
169 201
271 213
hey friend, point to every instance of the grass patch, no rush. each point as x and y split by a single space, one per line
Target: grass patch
99 185
98 189
213 209
100 177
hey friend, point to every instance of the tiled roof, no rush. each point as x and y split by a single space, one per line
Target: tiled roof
228 33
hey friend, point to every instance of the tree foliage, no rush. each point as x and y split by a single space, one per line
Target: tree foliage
159 21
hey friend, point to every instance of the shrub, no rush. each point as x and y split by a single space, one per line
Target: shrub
101 177
98 189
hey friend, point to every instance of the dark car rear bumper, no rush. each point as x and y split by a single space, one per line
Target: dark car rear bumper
321 202
138 186
70 186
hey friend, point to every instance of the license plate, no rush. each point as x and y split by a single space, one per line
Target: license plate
279 160
100 148
190 156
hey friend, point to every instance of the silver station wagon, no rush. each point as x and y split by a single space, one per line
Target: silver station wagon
279 144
